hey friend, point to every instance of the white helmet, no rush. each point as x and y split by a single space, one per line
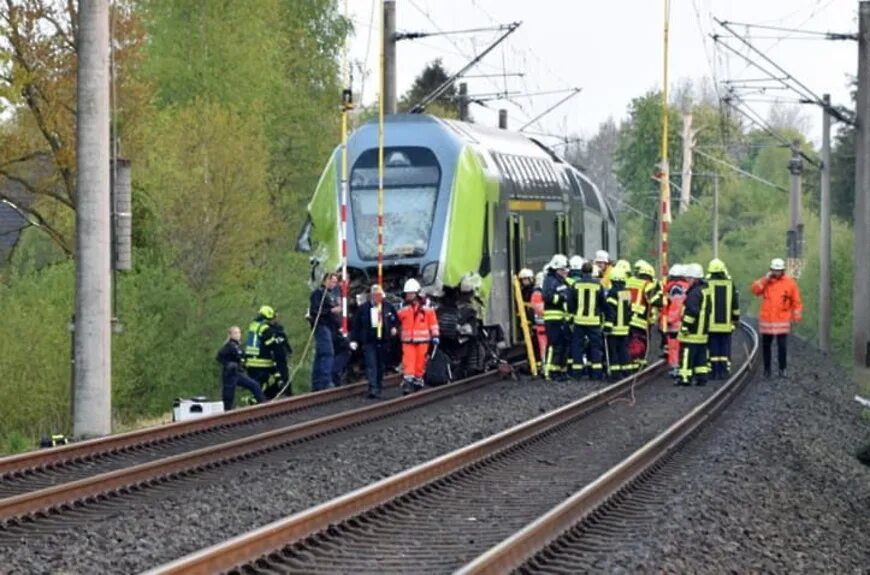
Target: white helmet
777 265
694 271
576 262
412 286
559 262
602 256
526 274
539 280
676 271
470 282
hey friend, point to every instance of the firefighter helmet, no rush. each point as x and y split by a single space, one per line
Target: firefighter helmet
576 262
618 274
695 271
777 265
559 262
601 256
411 286
526 274
267 312
716 266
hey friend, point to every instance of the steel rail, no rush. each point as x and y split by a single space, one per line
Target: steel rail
251 546
517 549
82 450
57 497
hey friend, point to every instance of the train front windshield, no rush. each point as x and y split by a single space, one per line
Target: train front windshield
411 178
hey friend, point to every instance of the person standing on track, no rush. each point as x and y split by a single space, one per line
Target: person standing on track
780 307
589 302
676 288
617 318
724 315
324 313
364 332
556 294
267 350
645 295
231 356
694 330
533 300
419 327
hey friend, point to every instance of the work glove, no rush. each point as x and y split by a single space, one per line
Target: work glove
435 341
354 346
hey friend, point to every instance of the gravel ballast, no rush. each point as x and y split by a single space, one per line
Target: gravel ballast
216 505
772 486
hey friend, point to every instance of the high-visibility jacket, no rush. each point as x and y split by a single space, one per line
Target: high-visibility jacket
780 305
673 311
536 301
724 304
256 353
589 301
556 296
419 323
696 315
644 294
617 310
605 278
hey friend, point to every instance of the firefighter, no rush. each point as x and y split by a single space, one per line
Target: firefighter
556 296
533 300
724 315
617 318
589 300
676 288
266 352
780 307
602 262
231 356
369 316
694 329
645 296
419 327
575 263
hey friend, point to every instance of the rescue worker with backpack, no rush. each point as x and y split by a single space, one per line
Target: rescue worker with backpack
556 294
267 350
780 307
419 329
588 302
617 318
694 330
645 295
676 289
724 315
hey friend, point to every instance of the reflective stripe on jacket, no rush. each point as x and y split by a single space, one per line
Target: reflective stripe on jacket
254 353
419 323
555 297
780 305
644 294
589 299
724 305
676 290
617 311
696 314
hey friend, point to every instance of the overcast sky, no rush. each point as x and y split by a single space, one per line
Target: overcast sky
612 49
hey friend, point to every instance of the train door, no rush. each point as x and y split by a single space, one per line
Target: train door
516 260
561 224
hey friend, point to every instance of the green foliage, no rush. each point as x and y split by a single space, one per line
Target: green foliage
432 76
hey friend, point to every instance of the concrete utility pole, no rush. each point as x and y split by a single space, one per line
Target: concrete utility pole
825 232
715 215
502 119
92 407
390 94
688 146
463 101
861 271
794 235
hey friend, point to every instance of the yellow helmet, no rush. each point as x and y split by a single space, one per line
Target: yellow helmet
623 266
716 266
644 268
618 274
267 312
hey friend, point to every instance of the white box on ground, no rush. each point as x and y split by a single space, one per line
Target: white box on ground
195 407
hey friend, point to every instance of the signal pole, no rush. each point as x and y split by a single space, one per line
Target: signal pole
861 271
793 238
389 40
825 232
92 401
716 215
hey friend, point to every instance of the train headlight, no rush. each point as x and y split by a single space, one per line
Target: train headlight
427 276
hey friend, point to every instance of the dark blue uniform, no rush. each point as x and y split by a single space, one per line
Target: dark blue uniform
556 294
325 324
586 315
231 356
374 350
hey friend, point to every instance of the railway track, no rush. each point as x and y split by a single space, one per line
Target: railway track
22 510
49 467
500 500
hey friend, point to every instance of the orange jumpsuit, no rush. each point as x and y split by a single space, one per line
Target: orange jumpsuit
537 304
419 325
676 290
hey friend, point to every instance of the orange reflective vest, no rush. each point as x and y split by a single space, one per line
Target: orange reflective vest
676 290
419 323
780 305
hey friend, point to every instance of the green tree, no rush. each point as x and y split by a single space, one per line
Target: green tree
432 76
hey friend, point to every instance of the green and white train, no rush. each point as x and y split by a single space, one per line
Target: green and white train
459 199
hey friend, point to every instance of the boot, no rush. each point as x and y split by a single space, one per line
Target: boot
418 384
407 385
783 374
